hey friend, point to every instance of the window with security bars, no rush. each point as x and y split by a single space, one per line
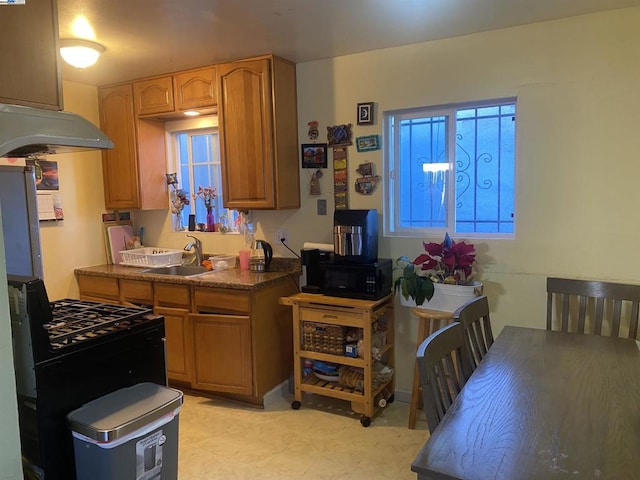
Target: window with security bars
451 169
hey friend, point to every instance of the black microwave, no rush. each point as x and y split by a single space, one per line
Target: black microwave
369 281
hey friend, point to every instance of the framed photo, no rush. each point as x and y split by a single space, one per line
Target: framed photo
368 143
365 113
314 155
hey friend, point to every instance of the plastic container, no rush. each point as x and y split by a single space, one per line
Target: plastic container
130 433
151 257
222 262
244 256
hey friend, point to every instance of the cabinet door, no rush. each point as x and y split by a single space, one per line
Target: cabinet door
134 170
29 52
246 134
195 89
119 165
177 334
222 360
153 96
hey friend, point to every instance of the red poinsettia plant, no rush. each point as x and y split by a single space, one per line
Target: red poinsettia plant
447 262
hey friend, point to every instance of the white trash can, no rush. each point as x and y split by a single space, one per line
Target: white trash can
131 433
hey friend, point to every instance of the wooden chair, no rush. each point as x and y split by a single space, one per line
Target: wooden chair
442 373
476 324
585 306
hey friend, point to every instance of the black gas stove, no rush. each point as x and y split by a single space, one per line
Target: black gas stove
67 353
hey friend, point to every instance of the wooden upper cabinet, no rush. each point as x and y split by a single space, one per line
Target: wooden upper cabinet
154 96
29 52
134 170
195 89
257 112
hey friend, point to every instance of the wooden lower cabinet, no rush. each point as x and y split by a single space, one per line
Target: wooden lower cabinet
178 342
233 342
99 289
222 353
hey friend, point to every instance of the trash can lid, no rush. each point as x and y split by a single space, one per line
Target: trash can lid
124 411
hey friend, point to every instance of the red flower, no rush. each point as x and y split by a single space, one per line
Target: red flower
447 262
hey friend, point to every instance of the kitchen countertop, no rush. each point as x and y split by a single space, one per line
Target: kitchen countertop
230 278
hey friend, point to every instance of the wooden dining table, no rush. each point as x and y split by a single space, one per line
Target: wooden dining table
542 405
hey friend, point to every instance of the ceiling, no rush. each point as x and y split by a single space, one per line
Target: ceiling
149 37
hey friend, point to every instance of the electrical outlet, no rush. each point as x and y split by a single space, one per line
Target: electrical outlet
281 236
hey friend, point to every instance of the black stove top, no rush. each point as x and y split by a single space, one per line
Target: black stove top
76 321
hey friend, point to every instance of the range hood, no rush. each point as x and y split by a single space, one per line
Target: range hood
26 131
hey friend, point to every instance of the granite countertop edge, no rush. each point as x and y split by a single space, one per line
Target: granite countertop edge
230 278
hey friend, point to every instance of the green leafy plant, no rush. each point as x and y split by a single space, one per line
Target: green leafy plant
412 285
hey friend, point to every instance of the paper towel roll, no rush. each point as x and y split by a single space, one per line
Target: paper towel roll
323 247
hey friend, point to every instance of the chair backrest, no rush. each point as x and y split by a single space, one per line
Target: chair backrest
585 306
476 324
442 373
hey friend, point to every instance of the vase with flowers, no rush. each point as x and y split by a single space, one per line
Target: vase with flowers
179 199
442 276
208 195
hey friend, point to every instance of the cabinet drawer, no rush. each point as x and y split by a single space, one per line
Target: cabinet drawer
221 300
136 291
101 287
171 295
333 316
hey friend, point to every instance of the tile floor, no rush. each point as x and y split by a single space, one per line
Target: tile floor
322 440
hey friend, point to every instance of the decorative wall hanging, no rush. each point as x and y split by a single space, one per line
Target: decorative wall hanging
368 143
340 178
365 113
313 130
314 184
366 184
339 135
314 155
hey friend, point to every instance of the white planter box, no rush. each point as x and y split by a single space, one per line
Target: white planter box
446 298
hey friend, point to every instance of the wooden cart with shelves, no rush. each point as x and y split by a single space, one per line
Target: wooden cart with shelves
347 313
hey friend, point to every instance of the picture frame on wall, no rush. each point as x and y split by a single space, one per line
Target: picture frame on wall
368 143
365 113
314 155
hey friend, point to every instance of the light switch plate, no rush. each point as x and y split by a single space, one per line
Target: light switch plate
322 206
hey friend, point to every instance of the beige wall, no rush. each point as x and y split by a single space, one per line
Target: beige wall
78 239
576 81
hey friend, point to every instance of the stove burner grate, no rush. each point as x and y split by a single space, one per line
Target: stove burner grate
76 321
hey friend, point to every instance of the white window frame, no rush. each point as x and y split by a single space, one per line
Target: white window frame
391 165
206 124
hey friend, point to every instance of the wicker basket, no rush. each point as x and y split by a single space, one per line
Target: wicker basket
323 338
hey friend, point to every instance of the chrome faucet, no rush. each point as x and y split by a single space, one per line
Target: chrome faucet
197 245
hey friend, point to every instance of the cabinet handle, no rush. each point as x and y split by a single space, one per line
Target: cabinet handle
335 317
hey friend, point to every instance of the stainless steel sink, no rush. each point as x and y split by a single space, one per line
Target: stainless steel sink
179 270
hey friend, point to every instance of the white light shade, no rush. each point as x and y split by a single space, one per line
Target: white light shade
80 53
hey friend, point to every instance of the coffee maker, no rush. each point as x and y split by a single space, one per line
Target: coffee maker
355 236
353 269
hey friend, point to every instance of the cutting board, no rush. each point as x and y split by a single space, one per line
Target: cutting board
119 235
